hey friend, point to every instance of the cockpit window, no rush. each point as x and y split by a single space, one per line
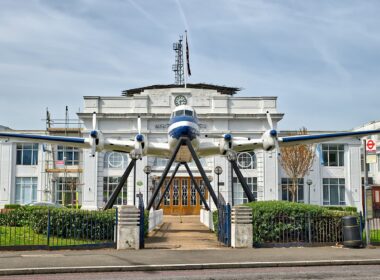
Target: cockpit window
188 113
179 113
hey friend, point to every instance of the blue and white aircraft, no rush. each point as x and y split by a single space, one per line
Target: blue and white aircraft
183 123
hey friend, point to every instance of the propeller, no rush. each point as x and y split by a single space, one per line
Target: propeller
272 132
94 135
139 137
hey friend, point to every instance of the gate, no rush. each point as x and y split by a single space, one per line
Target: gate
224 222
142 220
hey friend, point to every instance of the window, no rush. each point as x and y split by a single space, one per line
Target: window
115 160
247 160
239 195
69 154
27 154
67 191
26 190
378 162
188 113
333 154
286 184
179 113
109 185
334 191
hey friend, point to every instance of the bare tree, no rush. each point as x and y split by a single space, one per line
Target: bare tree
297 160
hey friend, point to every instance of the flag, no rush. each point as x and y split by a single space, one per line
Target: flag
187 57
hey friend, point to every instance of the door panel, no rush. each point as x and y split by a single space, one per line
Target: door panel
182 197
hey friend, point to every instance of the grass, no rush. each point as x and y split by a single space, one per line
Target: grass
375 236
18 236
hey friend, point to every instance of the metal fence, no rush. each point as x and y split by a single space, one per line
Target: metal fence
142 222
224 222
57 229
302 230
374 227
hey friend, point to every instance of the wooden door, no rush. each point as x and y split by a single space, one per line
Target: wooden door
182 198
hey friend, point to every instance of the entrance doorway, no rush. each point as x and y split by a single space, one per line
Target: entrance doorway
182 197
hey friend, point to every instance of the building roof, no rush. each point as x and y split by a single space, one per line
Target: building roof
221 89
4 127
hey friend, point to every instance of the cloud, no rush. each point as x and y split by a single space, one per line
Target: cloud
320 58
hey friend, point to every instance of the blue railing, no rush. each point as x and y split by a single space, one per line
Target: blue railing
224 223
142 222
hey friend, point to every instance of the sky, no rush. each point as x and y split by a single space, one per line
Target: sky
320 58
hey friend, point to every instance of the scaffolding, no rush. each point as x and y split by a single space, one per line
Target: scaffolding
62 166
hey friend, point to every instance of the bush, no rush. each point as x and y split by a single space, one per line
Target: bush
12 206
349 209
65 223
283 221
146 222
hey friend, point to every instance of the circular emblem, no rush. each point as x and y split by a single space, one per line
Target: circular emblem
180 100
370 144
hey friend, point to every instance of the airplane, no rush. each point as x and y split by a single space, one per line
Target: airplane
183 123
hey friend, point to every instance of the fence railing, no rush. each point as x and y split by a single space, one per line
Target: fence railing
374 227
142 220
305 229
224 222
54 229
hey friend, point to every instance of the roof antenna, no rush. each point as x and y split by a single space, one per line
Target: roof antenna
179 75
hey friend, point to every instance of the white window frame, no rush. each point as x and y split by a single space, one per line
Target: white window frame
109 185
69 154
327 184
24 184
247 160
21 149
115 160
328 149
239 195
286 183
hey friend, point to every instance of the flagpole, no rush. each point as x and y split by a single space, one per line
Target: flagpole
184 55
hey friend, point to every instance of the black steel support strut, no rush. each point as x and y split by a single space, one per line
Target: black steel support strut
168 185
164 174
112 199
242 181
196 186
202 171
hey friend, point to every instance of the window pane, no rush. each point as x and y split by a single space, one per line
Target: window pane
334 195
342 194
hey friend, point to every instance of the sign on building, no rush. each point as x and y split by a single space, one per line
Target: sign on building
371 151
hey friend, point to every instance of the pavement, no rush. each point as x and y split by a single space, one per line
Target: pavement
180 247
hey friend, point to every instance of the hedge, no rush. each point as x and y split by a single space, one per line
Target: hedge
272 218
66 223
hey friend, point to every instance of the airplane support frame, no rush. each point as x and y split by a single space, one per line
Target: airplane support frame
183 141
196 186
168 185
242 180
204 201
123 179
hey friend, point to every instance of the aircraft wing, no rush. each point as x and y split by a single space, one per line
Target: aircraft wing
317 138
216 148
35 138
109 144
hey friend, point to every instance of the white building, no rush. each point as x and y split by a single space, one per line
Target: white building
31 173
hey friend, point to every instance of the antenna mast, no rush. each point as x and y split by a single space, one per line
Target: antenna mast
179 73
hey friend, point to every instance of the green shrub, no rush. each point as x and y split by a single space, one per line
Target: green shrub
66 223
146 222
12 206
272 220
350 209
215 220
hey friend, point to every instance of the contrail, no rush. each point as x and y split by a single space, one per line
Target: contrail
185 23
147 15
